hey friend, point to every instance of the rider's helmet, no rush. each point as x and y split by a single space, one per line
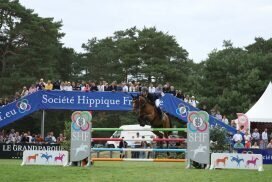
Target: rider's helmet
144 90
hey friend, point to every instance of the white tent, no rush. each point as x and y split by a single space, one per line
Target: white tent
262 109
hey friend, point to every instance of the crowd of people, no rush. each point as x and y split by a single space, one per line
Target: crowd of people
26 137
102 86
140 142
255 140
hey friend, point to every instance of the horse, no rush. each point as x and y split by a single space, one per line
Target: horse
46 156
34 157
81 148
148 113
199 150
253 161
223 160
60 157
237 159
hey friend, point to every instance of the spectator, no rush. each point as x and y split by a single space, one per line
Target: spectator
56 85
106 87
25 139
68 86
32 89
94 87
265 137
262 145
131 87
123 144
151 88
18 138
237 137
125 87
11 136
113 86
218 116
255 136
255 146
62 86
225 120
238 145
193 101
48 85
39 139
74 87
86 88
247 138
17 96
61 138
40 85
187 99
48 138
137 145
24 92
269 146
29 137
119 88
172 90
54 140
159 89
33 138
143 146
180 95
100 87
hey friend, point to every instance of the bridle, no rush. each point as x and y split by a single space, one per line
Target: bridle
140 105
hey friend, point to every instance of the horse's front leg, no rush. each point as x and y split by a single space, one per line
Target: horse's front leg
141 120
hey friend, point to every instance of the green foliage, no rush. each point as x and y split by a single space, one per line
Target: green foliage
218 138
234 78
67 133
231 79
29 46
146 55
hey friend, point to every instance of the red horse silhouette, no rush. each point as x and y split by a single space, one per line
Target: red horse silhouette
60 157
34 157
223 160
252 161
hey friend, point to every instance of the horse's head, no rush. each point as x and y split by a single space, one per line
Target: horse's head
139 103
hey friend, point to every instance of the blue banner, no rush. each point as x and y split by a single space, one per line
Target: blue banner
20 108
86 101
180 109
92 101
267 154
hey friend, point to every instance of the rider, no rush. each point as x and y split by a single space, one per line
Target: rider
154 99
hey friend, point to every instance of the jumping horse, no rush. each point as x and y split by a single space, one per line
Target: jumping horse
148 114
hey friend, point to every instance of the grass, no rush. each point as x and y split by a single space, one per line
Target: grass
10 170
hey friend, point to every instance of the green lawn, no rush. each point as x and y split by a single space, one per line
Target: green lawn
10 170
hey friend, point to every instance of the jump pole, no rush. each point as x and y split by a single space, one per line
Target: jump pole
141 129
138 160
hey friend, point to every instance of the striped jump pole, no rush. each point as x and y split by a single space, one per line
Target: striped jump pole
154 139
138 149
138 160
140 129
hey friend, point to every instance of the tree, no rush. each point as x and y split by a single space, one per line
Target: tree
145 55
27 41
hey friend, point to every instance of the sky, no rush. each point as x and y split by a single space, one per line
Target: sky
199 26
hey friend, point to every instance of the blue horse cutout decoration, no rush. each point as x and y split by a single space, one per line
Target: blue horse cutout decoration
237 159
46 156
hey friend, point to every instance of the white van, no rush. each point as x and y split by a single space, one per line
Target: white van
149 135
